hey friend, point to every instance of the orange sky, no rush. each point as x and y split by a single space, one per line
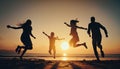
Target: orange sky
49 16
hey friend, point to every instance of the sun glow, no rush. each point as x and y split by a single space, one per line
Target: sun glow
64 54
65 46
64 58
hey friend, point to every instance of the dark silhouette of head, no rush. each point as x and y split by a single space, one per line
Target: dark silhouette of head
92 19
52 34
28 22
73 22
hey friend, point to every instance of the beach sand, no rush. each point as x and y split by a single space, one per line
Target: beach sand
57 64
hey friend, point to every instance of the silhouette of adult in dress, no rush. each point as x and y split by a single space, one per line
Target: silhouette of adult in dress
25 37
74 34
95 27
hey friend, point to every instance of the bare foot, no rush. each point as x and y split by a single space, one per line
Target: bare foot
50 53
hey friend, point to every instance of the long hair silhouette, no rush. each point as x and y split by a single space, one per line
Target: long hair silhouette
25 37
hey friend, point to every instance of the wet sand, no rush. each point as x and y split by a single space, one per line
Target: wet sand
48 64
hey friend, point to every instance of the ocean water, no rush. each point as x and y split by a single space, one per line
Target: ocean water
64 57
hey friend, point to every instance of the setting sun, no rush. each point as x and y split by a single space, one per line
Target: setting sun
65 46
64 54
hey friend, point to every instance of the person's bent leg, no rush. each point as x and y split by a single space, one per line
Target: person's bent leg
95 50
102 52
18 49
100 46
50 48
24 51
71 42
82 44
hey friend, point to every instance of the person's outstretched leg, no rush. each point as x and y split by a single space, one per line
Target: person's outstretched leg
95 49
82 44
24 51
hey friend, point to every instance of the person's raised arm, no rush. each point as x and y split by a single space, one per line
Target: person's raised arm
8 26
67 24
105 31
45 34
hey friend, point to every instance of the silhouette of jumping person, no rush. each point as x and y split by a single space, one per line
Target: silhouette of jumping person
52 39
25 37
95 27
74 34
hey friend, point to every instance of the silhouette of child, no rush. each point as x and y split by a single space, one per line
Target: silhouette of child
25 37
52 39
74 34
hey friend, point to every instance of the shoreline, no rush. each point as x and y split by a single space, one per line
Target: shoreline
60 58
